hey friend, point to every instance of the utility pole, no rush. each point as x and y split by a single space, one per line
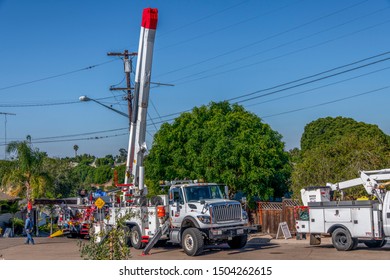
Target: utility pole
5 131
128 70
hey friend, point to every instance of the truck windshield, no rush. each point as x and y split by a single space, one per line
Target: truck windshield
196 193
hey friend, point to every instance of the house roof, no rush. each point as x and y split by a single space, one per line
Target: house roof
4 196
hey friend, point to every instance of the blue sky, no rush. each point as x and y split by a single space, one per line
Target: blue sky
209 50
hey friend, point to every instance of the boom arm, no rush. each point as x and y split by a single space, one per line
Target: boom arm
137 144
369 179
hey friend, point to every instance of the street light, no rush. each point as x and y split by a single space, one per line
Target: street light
86 98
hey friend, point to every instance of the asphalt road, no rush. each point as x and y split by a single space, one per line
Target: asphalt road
259 247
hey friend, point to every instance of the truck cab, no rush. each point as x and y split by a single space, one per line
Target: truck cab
200 214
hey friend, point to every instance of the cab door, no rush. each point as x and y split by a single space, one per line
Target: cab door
176 207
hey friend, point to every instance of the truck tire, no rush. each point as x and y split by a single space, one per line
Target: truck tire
342 240
136 238
192 242
355 243
375 243
238 242
126 236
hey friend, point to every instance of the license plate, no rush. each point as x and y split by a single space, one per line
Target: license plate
240 231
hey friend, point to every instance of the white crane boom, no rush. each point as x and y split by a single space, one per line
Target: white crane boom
137 144
371 180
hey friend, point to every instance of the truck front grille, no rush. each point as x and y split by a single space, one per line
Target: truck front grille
226 212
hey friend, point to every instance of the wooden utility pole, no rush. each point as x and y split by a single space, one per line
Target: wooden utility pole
5 131
127 61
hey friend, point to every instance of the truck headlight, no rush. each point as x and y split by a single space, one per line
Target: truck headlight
244 215
204 219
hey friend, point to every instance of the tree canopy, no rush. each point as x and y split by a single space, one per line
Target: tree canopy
27 177
221 143
335 149
330 130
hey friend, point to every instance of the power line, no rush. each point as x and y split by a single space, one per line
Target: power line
267 38
43 104
309 82
277 57
183 26
56 76
47 139
299 80
81 134
229 26
320 87
80 139
327 103
279 46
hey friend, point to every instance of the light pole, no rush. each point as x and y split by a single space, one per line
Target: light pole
5 131
85 98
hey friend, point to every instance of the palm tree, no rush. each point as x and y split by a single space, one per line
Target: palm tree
75 148
26 178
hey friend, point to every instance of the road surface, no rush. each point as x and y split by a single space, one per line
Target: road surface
259 247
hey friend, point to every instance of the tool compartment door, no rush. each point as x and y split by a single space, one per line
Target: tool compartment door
362 222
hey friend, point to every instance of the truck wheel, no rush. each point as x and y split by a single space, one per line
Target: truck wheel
342 240
135 238
355 243
375 243
192 242
238 242
126 236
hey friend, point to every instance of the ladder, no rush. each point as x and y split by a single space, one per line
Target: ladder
160 232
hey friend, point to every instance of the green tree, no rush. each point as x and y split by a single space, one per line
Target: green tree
5 168
83 174
122 157
27 178
107 160
111 243
330 130
221 143
75 148
103 174
63 183
337 155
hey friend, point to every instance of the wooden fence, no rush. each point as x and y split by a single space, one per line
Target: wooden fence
270 214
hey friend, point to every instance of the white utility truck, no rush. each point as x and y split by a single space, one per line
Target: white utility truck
348 222
194 214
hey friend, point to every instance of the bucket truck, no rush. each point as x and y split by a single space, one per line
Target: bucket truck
348 222
194 214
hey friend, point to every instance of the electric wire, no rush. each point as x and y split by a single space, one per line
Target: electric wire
227 27
184 26
303 79
316 88
43 104
239 60
327 103
282 55
56 76
311 81
265 39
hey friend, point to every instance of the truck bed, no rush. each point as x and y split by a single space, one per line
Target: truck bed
361 217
